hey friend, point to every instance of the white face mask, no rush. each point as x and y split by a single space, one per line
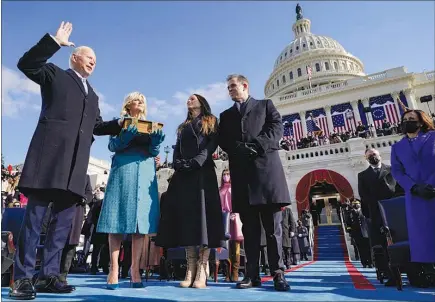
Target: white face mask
99 195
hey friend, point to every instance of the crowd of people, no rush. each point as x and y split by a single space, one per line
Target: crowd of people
318 139
195 213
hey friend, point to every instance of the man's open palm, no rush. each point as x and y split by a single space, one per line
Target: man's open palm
63 33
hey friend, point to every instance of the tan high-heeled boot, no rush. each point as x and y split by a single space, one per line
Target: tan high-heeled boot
201 273
192 258
235 263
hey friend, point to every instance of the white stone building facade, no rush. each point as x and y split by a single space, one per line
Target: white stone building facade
337 78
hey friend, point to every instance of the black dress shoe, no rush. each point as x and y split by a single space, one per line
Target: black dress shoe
248 283
22 289
279 283
66 284
390 282
53 285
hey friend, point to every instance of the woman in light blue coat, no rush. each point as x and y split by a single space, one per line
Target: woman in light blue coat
131 202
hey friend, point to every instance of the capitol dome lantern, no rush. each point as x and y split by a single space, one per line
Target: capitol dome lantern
328 61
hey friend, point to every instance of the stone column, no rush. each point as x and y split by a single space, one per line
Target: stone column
396 96
370 121
355 109
410 98
303 122
329 119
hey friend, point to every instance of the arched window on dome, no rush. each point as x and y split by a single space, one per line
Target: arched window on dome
283 79
343 65
317 67
304 45
299 72
291 50
273 86
326 65
291 75
311 43
335 65
297 47
277 83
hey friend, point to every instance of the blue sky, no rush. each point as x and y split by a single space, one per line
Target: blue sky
167 50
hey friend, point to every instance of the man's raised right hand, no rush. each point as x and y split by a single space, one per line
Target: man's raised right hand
63 33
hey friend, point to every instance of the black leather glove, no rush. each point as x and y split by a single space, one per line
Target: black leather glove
178 164
423 191
187 165
249 150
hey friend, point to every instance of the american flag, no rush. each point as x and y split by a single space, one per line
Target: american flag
383 107
309 72
295 126
317 118
339 120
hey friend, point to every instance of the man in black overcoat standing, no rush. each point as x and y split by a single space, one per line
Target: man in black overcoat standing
374 184
73 240
249 133
57 158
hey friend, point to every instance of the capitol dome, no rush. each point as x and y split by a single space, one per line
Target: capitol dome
328 60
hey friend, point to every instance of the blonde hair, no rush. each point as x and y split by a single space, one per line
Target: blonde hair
133 96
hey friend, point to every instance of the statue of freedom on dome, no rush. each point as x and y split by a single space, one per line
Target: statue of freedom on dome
298 12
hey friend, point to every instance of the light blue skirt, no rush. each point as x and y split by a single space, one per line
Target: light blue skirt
131 201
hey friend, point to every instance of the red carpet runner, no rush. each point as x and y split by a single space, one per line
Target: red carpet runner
358 279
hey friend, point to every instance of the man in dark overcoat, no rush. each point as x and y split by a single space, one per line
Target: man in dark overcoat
250 132
73 240
288 232
359 232
374 184
57 158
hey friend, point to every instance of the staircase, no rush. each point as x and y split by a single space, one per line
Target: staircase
329 243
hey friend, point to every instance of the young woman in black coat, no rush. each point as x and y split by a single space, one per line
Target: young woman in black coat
191 215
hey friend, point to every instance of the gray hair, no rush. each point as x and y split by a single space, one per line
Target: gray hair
77 51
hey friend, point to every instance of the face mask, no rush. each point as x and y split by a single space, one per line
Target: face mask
411 126
226 178
99 195
373 160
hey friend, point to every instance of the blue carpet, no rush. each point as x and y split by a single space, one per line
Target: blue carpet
326 279
320 281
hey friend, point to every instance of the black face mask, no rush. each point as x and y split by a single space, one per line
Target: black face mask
410 126
373 160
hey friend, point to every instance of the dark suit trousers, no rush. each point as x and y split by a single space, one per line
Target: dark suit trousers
62 213
68 254
271 217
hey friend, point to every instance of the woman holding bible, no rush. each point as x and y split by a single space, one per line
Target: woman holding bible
131 202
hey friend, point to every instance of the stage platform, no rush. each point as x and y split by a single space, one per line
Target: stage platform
311 281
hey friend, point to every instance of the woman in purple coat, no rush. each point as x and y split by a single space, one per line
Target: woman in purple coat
413 166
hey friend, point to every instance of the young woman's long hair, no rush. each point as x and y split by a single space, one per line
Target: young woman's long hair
423 118
208 120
